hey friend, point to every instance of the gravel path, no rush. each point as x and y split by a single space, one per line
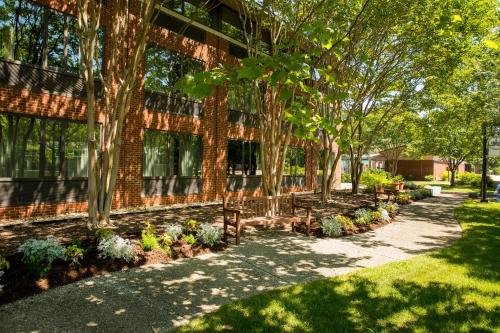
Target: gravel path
169 295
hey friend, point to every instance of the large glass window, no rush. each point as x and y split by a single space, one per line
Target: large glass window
295 162
40 147
165 68
240 97
37 35
170 154
243 158
197 10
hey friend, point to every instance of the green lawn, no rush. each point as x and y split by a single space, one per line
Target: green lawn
445 186
456 289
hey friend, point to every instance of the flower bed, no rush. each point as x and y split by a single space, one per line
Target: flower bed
43 264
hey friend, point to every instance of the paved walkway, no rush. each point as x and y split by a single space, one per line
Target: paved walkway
168 295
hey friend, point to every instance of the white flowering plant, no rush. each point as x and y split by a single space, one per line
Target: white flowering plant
173 230
384 215
331 226
40 254
116 247
209 235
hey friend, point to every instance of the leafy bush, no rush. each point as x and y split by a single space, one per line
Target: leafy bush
173 230
115 247
74 254
149 241
209 235
403 199
425 192
191 226
398 178
345 177
416 195
384 215
362 216
374 177
376 216
40 254
391 207
165 242
4 265
331 226
444 175
189 238
103 233
345 222
429 178
469 178
410 185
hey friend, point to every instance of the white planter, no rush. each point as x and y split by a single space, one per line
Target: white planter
436 190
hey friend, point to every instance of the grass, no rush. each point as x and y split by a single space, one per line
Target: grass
445 186
455 289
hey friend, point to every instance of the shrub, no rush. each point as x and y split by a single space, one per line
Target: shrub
74 254
331 226
425 193
391 207
4 265
469 178
416 195
398 178
384 215
209 235
191 226
149 241
115 247
374 177
429 178
345 177
362 216
173 230
403 199
410 185
40 254
376 216
345 222
189 238
444 175
165 242
103 233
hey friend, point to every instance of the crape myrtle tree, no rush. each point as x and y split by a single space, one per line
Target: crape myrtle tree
127 35
277 68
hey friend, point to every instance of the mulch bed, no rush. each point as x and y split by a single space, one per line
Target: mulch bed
18 283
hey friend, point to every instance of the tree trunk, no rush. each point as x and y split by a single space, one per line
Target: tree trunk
452 178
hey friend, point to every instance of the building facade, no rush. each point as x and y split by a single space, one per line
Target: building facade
174 150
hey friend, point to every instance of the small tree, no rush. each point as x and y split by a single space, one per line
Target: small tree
127 35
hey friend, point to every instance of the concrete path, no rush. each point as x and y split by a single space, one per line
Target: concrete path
168 295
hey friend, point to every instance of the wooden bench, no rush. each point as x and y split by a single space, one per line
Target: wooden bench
381 190
253 211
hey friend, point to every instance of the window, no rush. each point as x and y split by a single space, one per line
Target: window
37 35
168 154
240 98
165 68
196 10
295 162
243 158
39 147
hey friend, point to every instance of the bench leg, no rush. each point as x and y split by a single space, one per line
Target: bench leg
238 229
308 223
225 231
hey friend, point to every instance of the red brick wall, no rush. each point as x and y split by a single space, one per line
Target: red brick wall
213 127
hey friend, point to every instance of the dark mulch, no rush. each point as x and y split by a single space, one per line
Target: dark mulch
69 230
18 282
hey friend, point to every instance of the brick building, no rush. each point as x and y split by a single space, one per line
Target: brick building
174 150
417 169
